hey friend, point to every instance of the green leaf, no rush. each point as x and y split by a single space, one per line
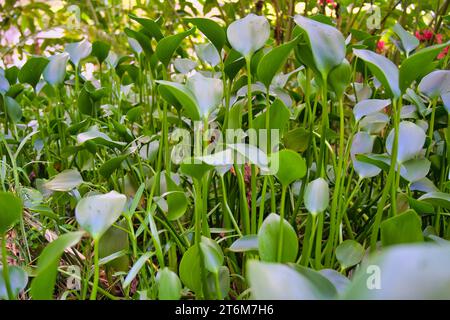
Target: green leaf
111 165
402 228
136 268
100 50
339 78
167 46
32 70
10 211
43 284
169 285
179 96
383 69
326 43
115 240
143 42
233 63
276 281
224 282
176 199
409 42
423 58
438 199
195 168
322 284
297 139
212 254
272 62
152 27
407 272
190 269
85 103
244 244
13 109
212 30
65 181
349 253
291 166
269 236
18 279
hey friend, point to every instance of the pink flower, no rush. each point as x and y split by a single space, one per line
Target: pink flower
428 34
443 53
439 38
380 46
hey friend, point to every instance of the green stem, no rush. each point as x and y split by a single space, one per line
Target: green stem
96 271
387 188
280 240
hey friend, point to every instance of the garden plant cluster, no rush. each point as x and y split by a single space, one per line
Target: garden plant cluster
226 150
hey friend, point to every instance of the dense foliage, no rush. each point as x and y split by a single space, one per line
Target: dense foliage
224 150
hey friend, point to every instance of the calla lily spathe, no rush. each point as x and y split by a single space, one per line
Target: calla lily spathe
55 71
97 213
248 34
208 92
317 196
78 50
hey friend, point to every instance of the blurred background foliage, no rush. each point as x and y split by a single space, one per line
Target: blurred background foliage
41 27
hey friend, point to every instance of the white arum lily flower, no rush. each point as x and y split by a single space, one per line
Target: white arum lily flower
208 93
317 196
78 50
55 71
249 34
363 144
411 139
97 213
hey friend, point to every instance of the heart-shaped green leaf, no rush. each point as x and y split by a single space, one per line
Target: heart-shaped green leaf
403 228
349 253
269 236
291 166
100 50
167 46
13 109
212 30
18 279
10 211
32 70
169 285
272 62
423 58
